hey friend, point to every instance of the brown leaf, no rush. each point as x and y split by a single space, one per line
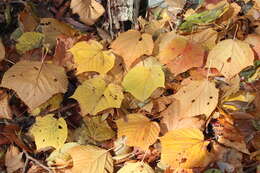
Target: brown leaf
13 159
5 111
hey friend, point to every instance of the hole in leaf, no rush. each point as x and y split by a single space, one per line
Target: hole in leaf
59 127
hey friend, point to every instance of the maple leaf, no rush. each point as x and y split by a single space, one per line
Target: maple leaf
132 45
88 10
139 130
90 159
49 131
95 95
230 57
35 82
141 81
185 148
89 56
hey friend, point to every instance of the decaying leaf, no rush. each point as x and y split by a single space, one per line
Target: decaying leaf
95 95
137 167
35 82
230 57
5 110
89 56
49 131
2 50
141 81
13 159
197 97
90 159
254 41
139 130
88 10
132 45
185 148
180 54
29 41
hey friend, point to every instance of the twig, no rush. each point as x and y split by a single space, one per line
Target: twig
28 157
63 108
110 19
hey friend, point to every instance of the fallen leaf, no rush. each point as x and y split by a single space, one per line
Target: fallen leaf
27 21
35 82
185 148
90 56
5 110
254 41
137 167
132 45
29 41
2 51
88 10
139 130
230 57
95 95
13 159
141 81
91 159
197 97
180 54
49 131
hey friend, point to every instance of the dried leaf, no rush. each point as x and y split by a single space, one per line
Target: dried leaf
29 41
34 82
185 148
230 57
88 10
2 50
13 159
91 159
196 98
89 56
5 110
132 45
49 131
139 130
95 95
141 81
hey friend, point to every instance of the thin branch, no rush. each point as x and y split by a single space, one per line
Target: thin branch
110 19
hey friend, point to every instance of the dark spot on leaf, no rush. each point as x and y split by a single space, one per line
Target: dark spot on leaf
36 68
59 127
192 101
55 80
43 140
210 97
208 103
183 160
13 75
229 60
140 39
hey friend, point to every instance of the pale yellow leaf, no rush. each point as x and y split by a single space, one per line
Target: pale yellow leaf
196 98
230 57
132 45
35 82
89 56
139 130
88 10
13 159
2 51
95 95
137 167
5 110
141 81
184 148
91 159
49 131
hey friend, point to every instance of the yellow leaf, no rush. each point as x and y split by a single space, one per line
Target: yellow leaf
88 10
29 41
95 95
33 84
137 167
91 159
131 45
89 56
230 57
184 148
141 81
49 131
2 51
139 130
196 98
